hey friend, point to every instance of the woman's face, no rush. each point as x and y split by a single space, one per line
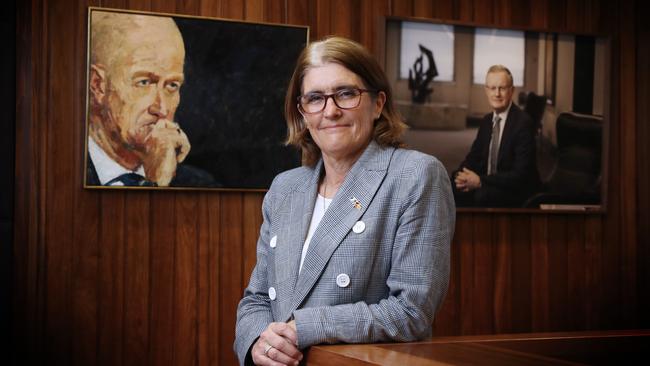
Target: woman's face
340 133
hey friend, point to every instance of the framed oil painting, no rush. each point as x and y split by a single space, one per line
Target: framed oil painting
552 146
180 102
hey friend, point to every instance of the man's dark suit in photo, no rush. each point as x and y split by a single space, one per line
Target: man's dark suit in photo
517 177
514 177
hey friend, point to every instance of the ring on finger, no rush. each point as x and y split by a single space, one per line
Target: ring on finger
267 348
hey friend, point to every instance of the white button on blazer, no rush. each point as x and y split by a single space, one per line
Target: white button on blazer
359 227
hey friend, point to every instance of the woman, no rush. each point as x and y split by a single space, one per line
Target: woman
354 246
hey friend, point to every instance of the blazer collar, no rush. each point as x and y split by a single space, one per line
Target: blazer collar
360 185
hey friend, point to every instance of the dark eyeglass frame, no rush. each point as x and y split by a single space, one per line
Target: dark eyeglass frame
332 95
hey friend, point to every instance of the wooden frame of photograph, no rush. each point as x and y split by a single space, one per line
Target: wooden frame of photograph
184 102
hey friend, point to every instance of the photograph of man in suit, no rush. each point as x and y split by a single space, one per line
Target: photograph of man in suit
135 77
500 168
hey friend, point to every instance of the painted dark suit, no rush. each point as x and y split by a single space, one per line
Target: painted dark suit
186 176
516 178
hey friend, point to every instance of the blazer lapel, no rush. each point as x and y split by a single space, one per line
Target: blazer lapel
360 185
301 205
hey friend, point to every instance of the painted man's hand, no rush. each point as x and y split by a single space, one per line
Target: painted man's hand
165 147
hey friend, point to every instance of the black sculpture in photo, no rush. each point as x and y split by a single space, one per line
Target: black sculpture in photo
418 79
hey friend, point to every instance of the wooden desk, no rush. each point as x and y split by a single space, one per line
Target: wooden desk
572 348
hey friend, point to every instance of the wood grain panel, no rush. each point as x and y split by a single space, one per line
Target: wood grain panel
211 296
275 11
520 13
464 238
557 272
254 10
643 155
423 8
465 10
444 9
503 275
163 248
233 9
343 18
252 222
575 238
539 273
59 187
204 342
185 279
211 8
84 289
483 284
298 14
230 274
573 9
483 11
372 23
521 259
504 9
320 16
557 15
111 279
27 261
539 14
593 292
402 8
627 161
136 274
130 277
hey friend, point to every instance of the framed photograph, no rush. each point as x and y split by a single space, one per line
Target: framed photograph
451 81
180 102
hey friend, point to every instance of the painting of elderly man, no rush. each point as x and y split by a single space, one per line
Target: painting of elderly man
177 101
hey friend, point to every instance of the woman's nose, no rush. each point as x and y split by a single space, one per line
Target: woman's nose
331 109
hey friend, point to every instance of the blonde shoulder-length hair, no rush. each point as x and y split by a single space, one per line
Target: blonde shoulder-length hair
388 128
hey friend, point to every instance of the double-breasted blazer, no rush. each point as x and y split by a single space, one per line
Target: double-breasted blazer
377 267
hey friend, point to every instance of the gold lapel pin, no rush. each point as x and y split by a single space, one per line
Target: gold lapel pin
355 203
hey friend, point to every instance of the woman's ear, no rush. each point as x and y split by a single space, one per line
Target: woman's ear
379 103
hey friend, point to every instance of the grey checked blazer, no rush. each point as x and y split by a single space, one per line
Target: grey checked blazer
398 267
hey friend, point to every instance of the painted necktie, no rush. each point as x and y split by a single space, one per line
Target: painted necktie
132 179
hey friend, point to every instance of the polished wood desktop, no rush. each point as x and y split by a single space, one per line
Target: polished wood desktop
567 348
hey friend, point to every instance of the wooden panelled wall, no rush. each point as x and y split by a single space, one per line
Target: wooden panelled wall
104 277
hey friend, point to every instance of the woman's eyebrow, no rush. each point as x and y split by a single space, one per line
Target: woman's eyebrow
335 89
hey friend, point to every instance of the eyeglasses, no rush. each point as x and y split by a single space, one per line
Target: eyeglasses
500 89
348 98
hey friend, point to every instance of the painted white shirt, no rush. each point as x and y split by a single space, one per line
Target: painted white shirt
107 168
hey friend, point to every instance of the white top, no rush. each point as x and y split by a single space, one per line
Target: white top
107 168
320 207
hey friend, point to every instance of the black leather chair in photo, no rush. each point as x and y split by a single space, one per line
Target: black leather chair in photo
534 105
576 178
